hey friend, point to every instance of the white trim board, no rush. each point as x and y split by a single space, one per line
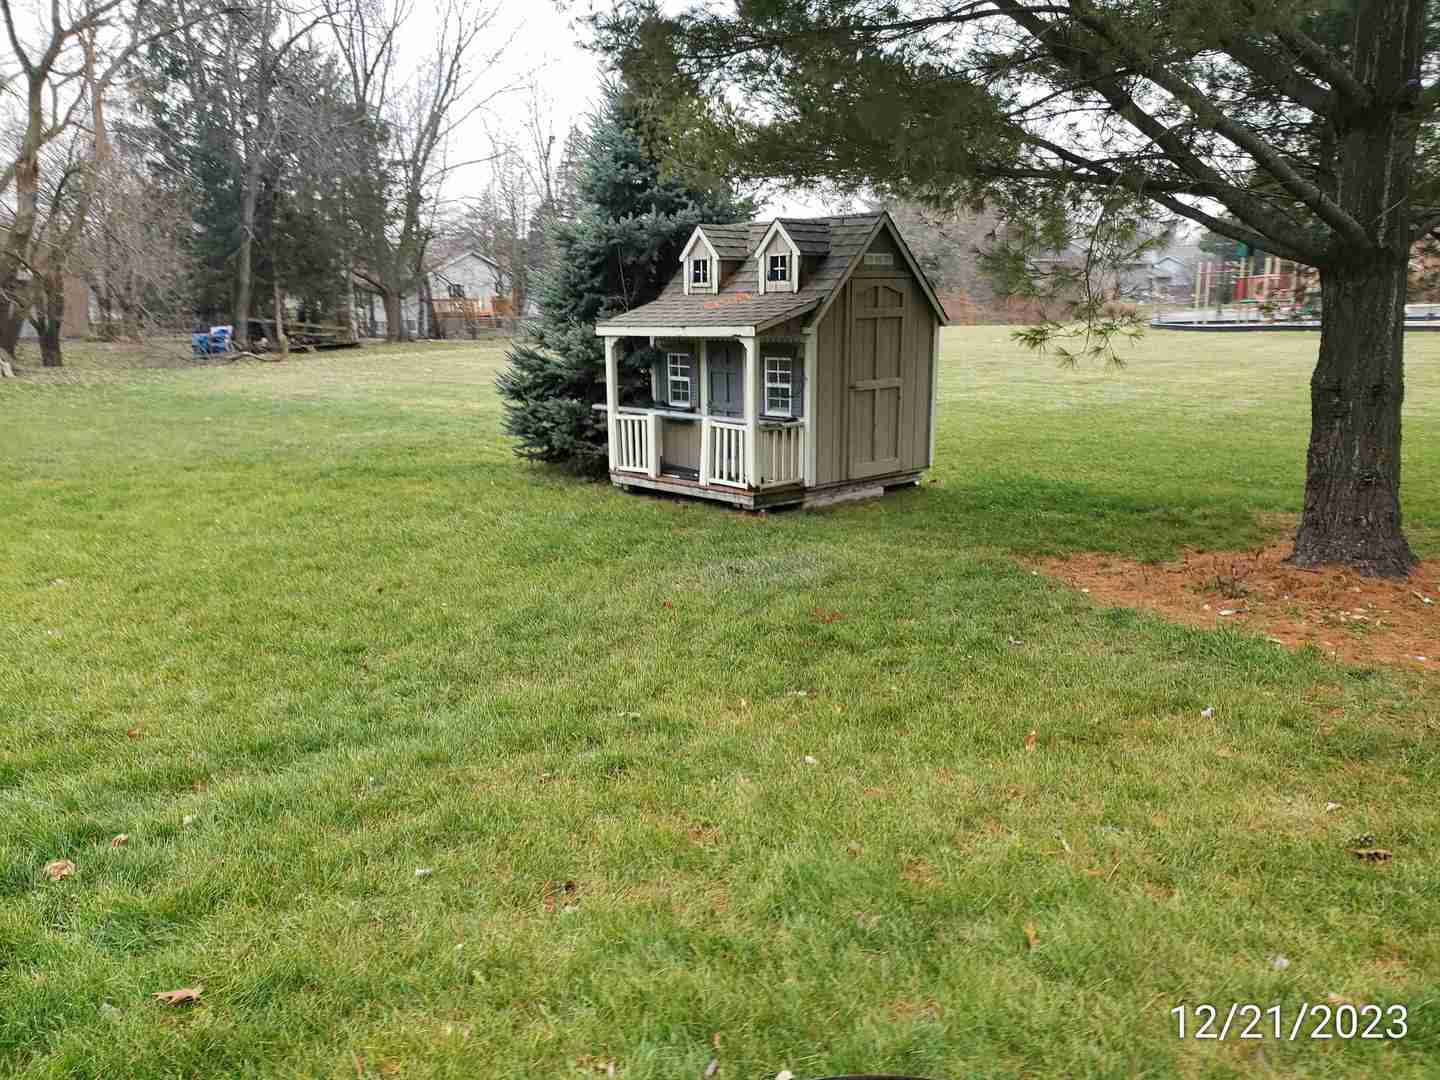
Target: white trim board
676 331
714 283
793 285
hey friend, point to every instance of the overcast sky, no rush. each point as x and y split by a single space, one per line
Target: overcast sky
546 49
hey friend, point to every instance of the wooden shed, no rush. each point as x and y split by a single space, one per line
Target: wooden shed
797 364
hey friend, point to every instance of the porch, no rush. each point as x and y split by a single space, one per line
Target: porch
707 451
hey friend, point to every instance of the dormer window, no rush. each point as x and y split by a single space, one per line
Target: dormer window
779 268
699 271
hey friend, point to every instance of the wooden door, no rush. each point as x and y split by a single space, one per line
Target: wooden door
725 364
881 321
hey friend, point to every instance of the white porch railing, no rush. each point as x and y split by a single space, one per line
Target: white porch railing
724 452
636 444
780 449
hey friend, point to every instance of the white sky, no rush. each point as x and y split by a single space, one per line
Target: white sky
546 49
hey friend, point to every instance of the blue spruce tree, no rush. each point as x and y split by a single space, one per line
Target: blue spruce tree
617 252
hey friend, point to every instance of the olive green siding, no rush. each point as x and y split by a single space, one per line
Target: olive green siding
835 404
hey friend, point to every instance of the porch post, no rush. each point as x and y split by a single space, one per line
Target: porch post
652 437
612 393
812 356
752 374
704 413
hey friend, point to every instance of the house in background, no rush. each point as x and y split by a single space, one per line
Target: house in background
467 276
796 364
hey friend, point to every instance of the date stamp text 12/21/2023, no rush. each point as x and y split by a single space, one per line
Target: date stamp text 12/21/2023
1245 1020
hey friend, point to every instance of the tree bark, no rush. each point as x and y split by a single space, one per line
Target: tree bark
1352 470
282 343
394 318
49 319
244 272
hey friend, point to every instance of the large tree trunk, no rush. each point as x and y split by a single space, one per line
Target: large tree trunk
49 336
49 320
244 272
394 317
1352 471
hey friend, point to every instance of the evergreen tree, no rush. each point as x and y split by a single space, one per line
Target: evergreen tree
617 252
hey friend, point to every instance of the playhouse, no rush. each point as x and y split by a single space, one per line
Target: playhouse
798 365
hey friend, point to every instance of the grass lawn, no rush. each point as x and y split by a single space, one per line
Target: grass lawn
303 630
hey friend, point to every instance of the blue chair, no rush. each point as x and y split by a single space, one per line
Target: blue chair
220 338
200 344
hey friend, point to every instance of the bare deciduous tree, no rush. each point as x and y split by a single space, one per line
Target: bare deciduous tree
62 62
418 118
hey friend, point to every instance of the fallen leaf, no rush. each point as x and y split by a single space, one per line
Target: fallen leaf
826 617
1031 739
1331 806
1207 713
135 732
121 840
811 760
1279 963
715 1040
1374 854
711 1069
1032 936
668 605
1339 999
58 869
186 995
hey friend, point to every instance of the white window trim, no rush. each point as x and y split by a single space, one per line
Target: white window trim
672 361
698 236
788 385
700 264
762 259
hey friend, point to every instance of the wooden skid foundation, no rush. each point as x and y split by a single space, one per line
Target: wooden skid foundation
766 498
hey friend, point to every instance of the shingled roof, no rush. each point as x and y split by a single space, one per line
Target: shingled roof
832 246
729 241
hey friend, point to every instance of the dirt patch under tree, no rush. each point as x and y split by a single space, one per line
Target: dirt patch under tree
1346 616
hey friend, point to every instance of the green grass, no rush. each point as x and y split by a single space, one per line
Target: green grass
359 638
